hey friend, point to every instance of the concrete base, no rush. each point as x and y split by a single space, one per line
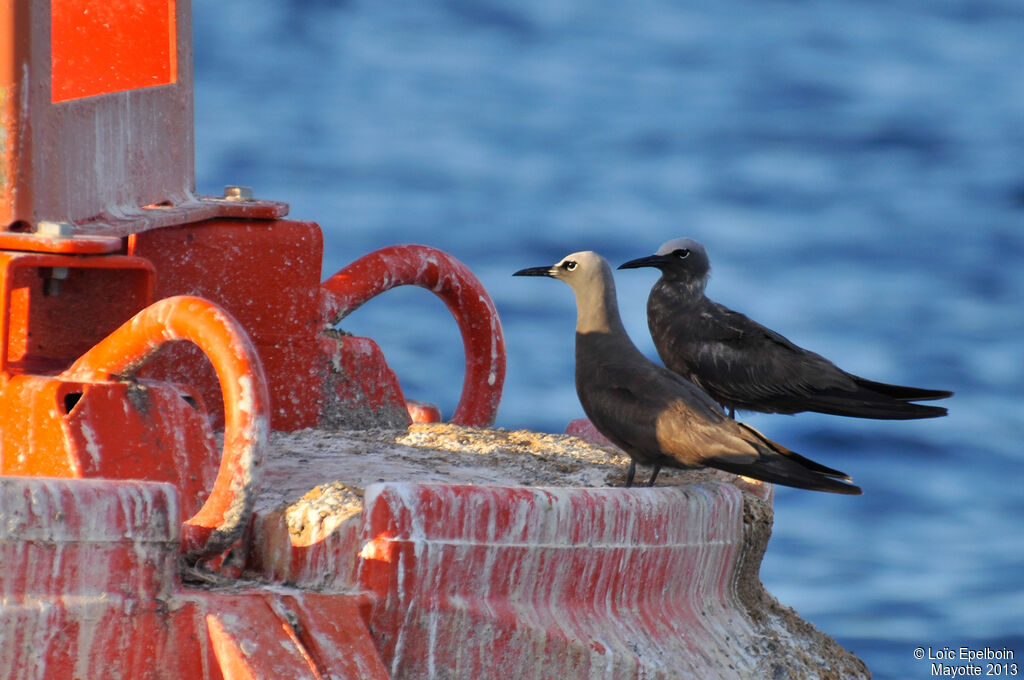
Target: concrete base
505 554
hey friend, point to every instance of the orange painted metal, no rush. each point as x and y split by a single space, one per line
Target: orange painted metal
221 520
41 243
126 146
423 412
266 273
43 327
466 299
103 47
258 645
58 427
335 633
113 429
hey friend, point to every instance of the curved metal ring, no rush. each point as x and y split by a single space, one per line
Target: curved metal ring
225 513
466 299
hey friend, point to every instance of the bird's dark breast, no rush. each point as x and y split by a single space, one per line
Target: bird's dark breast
612 404
681 339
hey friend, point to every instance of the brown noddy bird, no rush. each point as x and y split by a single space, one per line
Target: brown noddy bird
654 415
745 366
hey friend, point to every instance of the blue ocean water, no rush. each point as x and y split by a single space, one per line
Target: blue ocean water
856 171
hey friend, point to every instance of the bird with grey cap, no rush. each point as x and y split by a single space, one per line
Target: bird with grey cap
654 415
745 366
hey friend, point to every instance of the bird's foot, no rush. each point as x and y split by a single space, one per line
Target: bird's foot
630 474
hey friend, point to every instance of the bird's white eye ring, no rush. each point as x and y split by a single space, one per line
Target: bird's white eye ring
682 253
569 266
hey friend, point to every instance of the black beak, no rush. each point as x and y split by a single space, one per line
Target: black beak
649 261
534 271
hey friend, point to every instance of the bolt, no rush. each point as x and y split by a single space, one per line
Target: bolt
52 278
236 193
58 229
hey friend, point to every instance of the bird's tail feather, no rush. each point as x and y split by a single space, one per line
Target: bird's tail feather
779 465
783 470
794 456
901 392
873 407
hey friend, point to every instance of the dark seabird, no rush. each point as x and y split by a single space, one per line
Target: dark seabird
654 415
745 366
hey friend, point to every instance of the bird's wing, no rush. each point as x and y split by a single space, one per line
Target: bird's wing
741 360
654 412
696 440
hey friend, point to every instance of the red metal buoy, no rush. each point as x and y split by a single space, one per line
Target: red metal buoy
138 318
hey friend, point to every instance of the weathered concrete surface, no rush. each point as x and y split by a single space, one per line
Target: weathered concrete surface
310 531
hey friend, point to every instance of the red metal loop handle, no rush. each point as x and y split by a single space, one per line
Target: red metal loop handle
246 404
462 292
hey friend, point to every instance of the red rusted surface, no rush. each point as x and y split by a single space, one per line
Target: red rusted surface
97 595
510 582
466 299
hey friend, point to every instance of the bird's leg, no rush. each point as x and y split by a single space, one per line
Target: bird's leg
654 475
631 473
732 413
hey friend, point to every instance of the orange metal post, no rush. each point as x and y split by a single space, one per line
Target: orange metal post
95 109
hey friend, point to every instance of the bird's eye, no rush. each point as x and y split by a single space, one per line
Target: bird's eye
681 253
569 265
